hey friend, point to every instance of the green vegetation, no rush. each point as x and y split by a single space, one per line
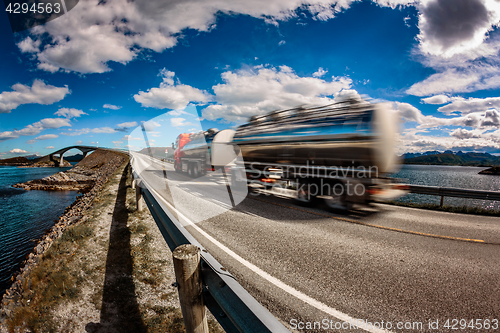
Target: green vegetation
468 159
450 209
491 171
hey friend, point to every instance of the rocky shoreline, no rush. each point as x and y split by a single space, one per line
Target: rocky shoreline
89 176
42 162
495 171
77 179
46 164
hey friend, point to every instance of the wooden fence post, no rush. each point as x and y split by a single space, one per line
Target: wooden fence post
138 197
188 275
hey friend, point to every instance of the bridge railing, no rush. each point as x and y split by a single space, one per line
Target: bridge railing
454 192
233 307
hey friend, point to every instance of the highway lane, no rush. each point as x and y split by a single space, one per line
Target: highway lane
365 271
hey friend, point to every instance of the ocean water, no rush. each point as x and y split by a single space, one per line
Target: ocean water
25 216
449 176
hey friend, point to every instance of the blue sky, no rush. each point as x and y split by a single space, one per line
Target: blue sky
95 74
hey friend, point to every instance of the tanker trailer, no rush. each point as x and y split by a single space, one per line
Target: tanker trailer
338 153
193 152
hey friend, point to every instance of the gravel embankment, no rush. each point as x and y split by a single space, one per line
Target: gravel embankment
103 268
100 165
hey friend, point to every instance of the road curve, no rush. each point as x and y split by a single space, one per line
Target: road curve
386 265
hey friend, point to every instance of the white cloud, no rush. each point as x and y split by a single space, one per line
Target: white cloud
449 81
178 112
49 147
395 3
320 72
103 130
458 39
486 119
79 142
28 45
127 124
484 134
47 137
171 95
124 127
131 138
111 107
476 76
471 105
85 40
70 113
35 128
178 122
52 123
150 125
83 131
250 92
449 27
437 99
491 118
409 112
462 133
38 93
17 151
7 135
416 140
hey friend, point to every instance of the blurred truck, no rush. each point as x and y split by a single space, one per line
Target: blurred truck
338 153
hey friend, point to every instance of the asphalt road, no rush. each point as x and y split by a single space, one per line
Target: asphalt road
393 267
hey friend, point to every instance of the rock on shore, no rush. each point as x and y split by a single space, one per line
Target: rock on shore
491 171
42 162
79 178
16 161
47 164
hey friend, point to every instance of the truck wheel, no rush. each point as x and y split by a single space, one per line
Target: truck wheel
306 197
195 170
337 198
190 170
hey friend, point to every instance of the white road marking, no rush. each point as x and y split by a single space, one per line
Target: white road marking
278 283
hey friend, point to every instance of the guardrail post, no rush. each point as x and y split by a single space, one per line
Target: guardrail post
442 200
138 197
132 183
188 275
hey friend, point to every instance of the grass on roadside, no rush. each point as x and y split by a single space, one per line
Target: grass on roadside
67 266
450 209
54 279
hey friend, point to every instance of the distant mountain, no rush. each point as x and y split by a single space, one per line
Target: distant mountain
450 158
411 155
73 158
33 157
15 161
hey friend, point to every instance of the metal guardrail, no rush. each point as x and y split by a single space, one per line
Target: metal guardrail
233 307
454 192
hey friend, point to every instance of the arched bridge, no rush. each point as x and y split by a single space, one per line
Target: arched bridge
84 149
